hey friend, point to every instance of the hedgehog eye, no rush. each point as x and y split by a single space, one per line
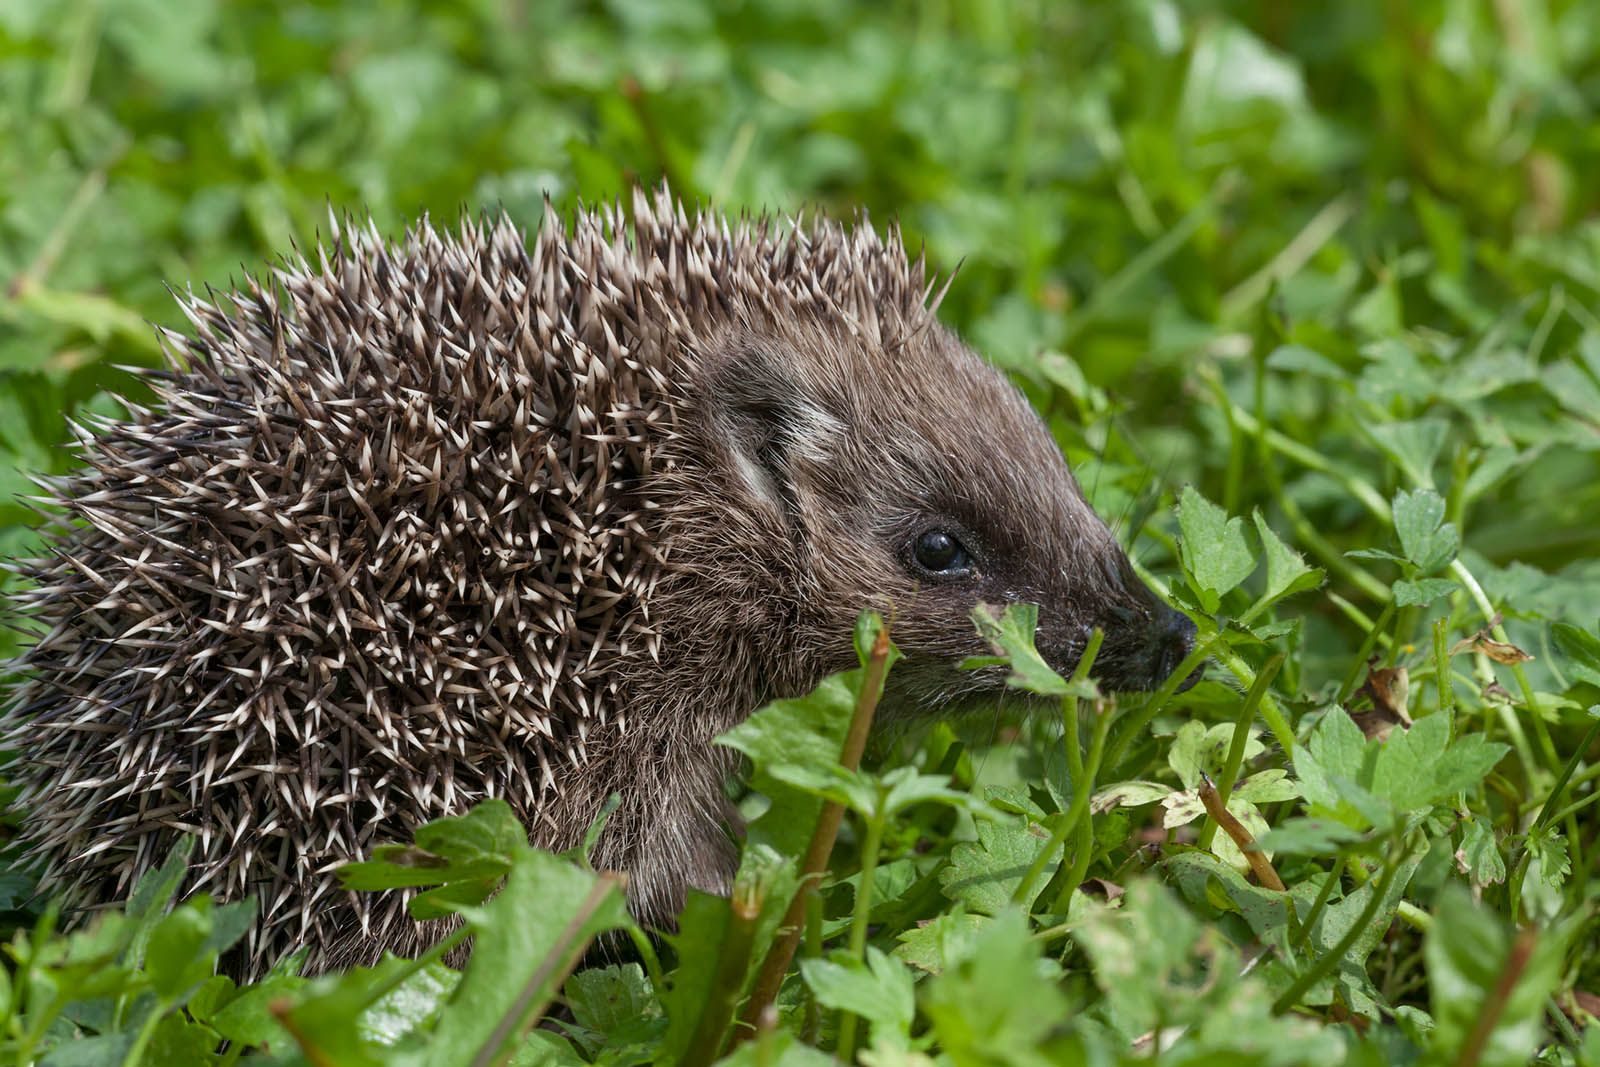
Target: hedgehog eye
938 552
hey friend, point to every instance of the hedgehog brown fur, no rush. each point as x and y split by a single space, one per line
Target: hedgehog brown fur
460 518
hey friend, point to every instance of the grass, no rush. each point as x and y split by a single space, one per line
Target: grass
1310 297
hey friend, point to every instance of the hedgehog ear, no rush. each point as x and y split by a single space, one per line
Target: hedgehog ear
761 409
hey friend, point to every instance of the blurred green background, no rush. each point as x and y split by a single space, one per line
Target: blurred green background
1372 225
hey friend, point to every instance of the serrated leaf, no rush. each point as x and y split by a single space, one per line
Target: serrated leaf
1479 856
1308 837
1414 446
1422 591
992 1004
1426 539
1213 550
1287 572
1548 848
1011 635
1331 766
474 847
880 991
1582 650
982 875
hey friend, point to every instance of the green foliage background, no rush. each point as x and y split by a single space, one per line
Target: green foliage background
1304 258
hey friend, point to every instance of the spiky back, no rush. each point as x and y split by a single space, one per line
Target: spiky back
384 547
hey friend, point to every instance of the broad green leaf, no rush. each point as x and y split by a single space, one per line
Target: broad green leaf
983 874
1287 572
477 847
1335 750
1215 555
995 1003
1422 592
1479 855
1425 538
1011 634
880 991
1582 650
1414 446
548 908
1308 837
1467 951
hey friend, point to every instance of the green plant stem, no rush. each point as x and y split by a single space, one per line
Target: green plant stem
1547 748
1358 663
871 846
1071 737
1414 916
727 981
813 941
1084 821
647 954
1547 810
1271 713
1135 723
1229 772
1329 960
1302 930
1576 806
147 1029
1305 532
1441 667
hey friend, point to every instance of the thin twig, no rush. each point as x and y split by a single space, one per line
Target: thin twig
1262 867
1494 1005
776 965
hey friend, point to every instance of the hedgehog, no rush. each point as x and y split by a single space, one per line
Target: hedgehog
464 516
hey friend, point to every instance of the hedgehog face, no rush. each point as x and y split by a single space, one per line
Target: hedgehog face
914 479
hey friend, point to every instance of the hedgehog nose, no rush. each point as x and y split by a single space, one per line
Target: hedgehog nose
1174 639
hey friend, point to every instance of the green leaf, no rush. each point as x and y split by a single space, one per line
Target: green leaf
1422 592
1547 847
1425 538
1307 837
477 847
548 908
1287 572
1011 634
1350 980
185 945
1335 751
995 1003
937 944
982 875
880 991
794 747
1582 649
1467 951
1213 550
1479 855
1299 359
615 1007
1142 957
1414 446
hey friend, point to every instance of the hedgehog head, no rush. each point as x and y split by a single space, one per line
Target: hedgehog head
892 468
